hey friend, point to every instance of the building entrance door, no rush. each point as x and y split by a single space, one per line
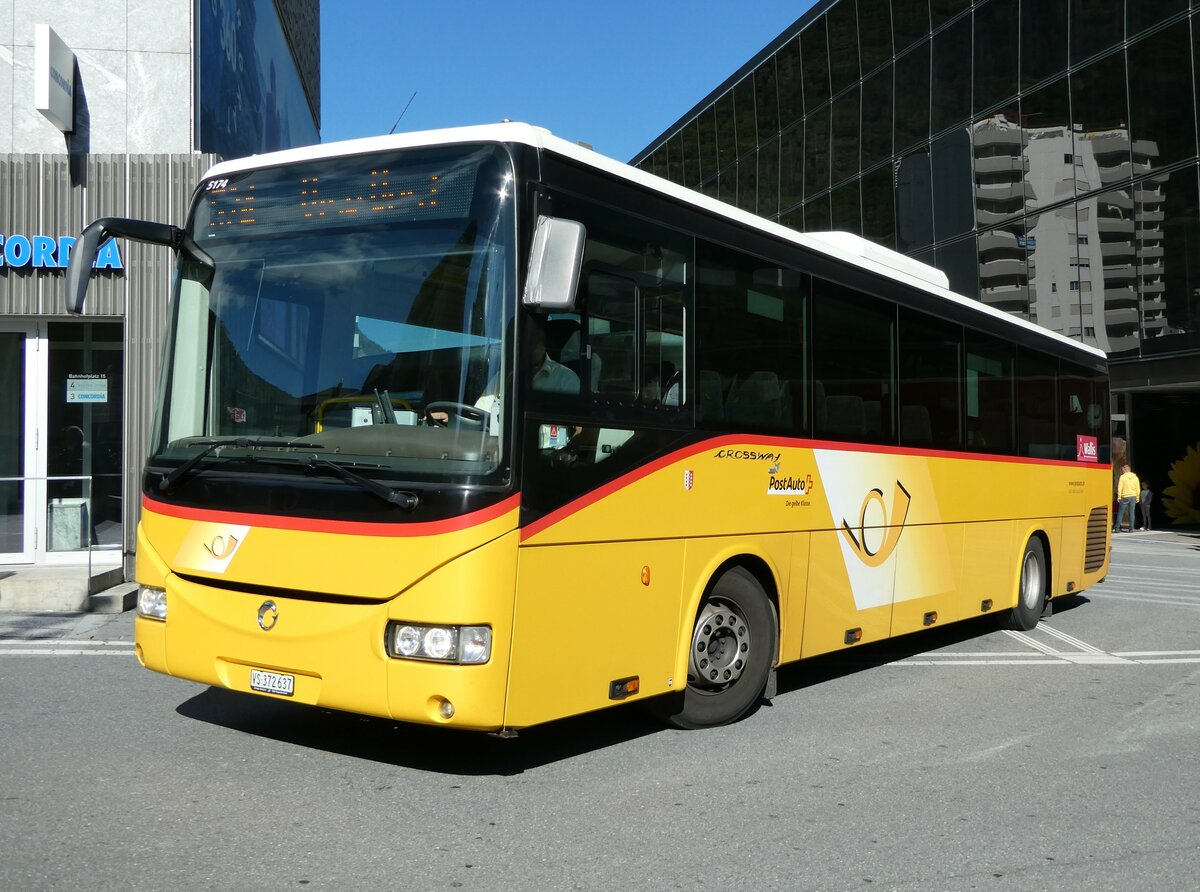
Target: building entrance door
22 371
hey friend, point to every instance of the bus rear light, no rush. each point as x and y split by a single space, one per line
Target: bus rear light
470 645
853 636
152 602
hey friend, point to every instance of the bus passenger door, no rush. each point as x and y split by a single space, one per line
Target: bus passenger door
588 615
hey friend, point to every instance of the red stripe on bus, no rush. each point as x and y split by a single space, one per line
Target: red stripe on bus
742 440
345 527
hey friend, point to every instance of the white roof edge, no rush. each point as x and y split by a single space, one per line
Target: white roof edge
841 245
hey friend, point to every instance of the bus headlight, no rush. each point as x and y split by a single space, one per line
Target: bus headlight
440 644
152 602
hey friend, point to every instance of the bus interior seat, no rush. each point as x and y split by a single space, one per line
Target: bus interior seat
845 415
915 427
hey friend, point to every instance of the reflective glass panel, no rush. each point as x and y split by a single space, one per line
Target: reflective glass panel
766 100
1003 273
1044 36
877 117
1143 14
1051 168
791 167
1000 187
910 22
12 443
874 33
912 99
914 203
791 90
953 205
846 212
941 11
951 83
816 152
1164 132
1179 223
995 53
1096 26
1100 117
960 262
747 128
768 179
707 123
846 128
879 206
726 131
816 64
816 215
843 45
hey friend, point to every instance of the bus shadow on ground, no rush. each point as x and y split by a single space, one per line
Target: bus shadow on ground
813 671
467 753
419 747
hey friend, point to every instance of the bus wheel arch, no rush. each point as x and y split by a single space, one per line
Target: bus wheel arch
1033 584
733 645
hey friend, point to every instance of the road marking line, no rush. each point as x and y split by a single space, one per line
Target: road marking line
1032 642
1031 661
1063 636
5 652
1156 653
1164 601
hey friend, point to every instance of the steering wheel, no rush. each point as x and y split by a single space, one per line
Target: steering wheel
467 415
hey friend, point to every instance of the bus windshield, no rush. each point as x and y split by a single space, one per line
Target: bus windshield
356 307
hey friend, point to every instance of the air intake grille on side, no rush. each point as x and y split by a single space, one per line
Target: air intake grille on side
1097 540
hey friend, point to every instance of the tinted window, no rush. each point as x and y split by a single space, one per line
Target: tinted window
1003 273
1096 25
1179 291
912 99
930 373
843 46
768 179
989 394
747 126
726 131
995 53
750 319
816 64
941 11
953 187
791 93
816 152
747 173
1036 399
691 154
844 152
844 205
1043 39
1163 132
959 261
951 95
766 100
879 207
1098 108
914 203
816 214
999 167
910 22
707 122
1142 14
877 117
791 167
1082 408
874 33
853 346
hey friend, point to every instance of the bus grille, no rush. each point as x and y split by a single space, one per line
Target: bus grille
1097 540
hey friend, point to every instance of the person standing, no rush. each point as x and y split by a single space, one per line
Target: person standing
1144 504
1128 492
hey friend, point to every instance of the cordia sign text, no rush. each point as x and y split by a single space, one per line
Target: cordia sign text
44 252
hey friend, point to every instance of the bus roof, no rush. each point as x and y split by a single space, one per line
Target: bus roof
843 246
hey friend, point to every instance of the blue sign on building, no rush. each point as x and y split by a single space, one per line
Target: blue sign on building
44 252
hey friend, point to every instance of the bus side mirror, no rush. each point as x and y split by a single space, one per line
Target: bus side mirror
83 254
554 263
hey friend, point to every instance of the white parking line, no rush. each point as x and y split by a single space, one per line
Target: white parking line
42 647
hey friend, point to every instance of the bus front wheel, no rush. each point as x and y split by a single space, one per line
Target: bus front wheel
731 653
1031 590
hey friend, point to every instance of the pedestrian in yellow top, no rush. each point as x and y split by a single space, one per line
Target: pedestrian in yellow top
1129 489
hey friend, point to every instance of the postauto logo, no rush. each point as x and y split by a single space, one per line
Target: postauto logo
44 252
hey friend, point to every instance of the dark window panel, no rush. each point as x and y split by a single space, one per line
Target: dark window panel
793 219
816 152
914 203
912 98
707 122
675 158
843 160
1110 279
930 382
879 207
1099 113
1163 132
789 72
1003 268
710 188
658 161
726 131
843 45
846 208
1096 26
1050 174
1037 398
1181 273
942 11
951 83
1044 35
791 167
854 350
953 187
910 22
816 215
960 262
875 33
1143 14
1001 192
877 117
816 64
747 168
995 53
692 174
768 179
747 129
766 101
989 394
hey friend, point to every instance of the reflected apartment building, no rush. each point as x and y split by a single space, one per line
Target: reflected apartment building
1042 153
113 110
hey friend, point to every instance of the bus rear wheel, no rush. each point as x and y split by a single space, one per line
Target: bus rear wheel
731 653
1031 590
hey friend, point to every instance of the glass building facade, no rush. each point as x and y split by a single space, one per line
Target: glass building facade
1042 153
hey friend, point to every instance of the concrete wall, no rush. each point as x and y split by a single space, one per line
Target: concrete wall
133 78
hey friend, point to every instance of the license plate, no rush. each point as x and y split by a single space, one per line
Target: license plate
272 682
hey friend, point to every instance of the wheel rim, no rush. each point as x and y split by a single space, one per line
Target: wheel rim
720 647
1031 581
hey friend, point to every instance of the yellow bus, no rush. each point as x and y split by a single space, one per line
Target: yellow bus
477 428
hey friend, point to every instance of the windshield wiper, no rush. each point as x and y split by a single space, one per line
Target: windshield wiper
406 501
171 481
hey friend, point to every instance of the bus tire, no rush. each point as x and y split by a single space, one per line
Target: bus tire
1031 589
731 652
